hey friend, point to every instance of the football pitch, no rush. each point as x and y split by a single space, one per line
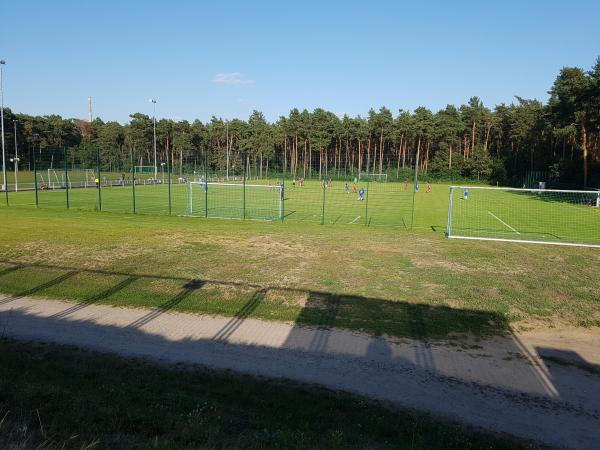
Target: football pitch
488 214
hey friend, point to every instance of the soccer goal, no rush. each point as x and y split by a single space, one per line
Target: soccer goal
144 169
56 180
90 177
546 216
235 200
376 177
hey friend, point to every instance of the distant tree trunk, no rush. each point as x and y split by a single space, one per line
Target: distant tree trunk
368 154
285 147
320 163
472 139
427 145
487 137
418 153
584 147
359 157
304 161
381 152
450 156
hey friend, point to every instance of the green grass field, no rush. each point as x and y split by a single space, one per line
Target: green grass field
379 280
552 217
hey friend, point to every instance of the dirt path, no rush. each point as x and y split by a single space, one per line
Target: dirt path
540 385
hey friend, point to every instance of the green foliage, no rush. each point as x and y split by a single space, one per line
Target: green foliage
471 140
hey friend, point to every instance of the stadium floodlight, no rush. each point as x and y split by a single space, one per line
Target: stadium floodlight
546 216
4 183
153 101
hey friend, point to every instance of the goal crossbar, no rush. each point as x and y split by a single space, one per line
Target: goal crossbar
214 183
492 188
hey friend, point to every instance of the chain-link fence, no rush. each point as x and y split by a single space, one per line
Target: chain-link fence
233 185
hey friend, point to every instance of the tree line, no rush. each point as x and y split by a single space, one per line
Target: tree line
560 138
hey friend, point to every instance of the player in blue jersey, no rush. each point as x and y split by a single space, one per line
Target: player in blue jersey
361 194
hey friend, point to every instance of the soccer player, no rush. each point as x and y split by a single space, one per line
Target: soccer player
428 188
354 189
361 194
347 188
406 185
329 184
466 194
294 183
417 187
323 183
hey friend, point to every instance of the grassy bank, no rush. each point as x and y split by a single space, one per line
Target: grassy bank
377 280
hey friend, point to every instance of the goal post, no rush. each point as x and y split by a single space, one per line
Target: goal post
235 200
547 216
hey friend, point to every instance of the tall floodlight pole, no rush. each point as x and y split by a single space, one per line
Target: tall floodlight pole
16 157
4 184
153 101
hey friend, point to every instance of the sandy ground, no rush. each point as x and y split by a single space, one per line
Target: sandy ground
543 385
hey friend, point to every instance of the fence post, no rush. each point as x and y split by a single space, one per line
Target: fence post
35 185
99 179
323 185
282 202
412 217
449 225
244 190
169 162
132 179
66 174
206 183
367 205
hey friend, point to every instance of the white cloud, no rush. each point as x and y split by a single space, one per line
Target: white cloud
230 79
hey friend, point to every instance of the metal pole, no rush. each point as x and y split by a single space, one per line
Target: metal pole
367 205
16 158
4 181
244 193
412 218
323 210
282 200
66 175
133 180
449 226
227 140
99 179
168 179
34 176
206 183
154 133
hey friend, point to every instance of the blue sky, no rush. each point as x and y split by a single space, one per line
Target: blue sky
226 59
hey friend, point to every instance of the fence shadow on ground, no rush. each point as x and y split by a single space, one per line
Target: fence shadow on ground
316 308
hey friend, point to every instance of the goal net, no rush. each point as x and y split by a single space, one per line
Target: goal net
235 200
144 169
376 177
547 216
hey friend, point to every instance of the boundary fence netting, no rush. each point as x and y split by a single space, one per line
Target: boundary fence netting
238 185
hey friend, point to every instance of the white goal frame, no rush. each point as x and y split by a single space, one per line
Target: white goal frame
374 176
153 171
204 184
450 235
